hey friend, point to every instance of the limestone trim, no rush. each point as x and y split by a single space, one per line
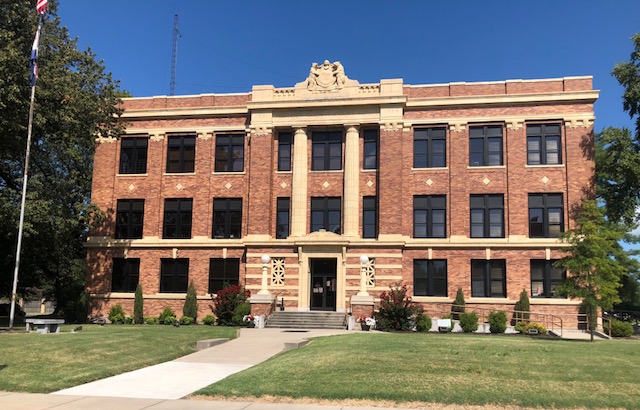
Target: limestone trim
505 99
102 140
391 126
160 134
299 183
351 194
463 121
515 124
261 131
184 112
457 126
553 301
584 122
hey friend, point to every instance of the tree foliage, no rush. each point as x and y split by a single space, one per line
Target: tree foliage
76 99
628 75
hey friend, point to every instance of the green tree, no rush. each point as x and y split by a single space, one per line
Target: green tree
628 75
190 307
458 305
522 307
76 100
594 272
138 306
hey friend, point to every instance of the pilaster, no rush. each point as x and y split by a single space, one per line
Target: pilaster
351 181
299 183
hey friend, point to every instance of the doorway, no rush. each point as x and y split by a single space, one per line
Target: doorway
323 283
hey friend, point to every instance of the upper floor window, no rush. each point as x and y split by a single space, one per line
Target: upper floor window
545 278
488 278
227 218
485 146
369 217
181 154
429 216
174 275
129 218
229 153
223 272
326 214
370 150
177 218
545 215
284 151
326 150
125 274
430 277
430 148
283 206
543 144
487 216
133 155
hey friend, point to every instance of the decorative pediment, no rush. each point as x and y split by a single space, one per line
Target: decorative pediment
322 237
326 77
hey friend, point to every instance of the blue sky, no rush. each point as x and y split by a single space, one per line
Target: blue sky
228 46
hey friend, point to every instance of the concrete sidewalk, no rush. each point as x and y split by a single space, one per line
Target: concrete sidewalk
185 375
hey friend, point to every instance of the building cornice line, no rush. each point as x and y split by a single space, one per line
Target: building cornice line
504 99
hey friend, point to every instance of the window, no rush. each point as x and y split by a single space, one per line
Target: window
177 218
174 275
485 146
125 274
227 218
283 206
229 153
129 218
543 144
369 217
430 277
545 215
181 154
429 216
370 151
488 279
545 278
223 271
487 216
284 151
326 214
133 155
326 150
429 148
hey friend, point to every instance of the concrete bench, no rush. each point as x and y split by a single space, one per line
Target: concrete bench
44 325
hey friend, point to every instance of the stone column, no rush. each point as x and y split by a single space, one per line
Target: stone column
299 198
351 181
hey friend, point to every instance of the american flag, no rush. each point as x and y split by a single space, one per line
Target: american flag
41 6
34 59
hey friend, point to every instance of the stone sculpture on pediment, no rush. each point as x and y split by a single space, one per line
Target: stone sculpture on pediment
327 77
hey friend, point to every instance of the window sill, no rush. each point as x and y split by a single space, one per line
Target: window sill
369 170
431 169
488 300
226 173
330 171
483 167
552 301
545 166
432 299
168 174
284 172
132 175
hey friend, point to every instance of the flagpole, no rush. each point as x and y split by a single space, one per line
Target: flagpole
24 192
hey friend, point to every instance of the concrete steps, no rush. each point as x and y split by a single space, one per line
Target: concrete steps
306 320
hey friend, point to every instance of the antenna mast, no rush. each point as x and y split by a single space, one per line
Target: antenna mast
174 55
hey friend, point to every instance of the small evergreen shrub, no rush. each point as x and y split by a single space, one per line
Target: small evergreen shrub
186 320
469 321
138 306
169 320
128 320
522 307
167 312
191 303
239 313
423 322
542 329
149 320
396 310
116 315
497 321
226 302
209 320
621 328
458 304
521 326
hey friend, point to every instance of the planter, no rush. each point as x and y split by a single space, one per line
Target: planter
364 326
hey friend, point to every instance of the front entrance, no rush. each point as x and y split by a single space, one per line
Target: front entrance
323 283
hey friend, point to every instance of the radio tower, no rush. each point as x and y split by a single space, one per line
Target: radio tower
174 55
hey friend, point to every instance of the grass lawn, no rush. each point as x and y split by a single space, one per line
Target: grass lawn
41 363
451 368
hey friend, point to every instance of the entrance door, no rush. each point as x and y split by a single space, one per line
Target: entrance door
323 283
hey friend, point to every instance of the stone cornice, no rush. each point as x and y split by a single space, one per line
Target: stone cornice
505 99
327 102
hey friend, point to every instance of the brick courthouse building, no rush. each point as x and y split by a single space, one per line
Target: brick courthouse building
441 186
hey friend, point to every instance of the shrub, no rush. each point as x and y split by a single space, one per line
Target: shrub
497 321
168 320
191 303
423 322
542 329
521 326
166 313
522 307
469 321
396 309
128 320
458 304
226 302
620 328
239 313
116 315
138 307
151 320
209 320
186 320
